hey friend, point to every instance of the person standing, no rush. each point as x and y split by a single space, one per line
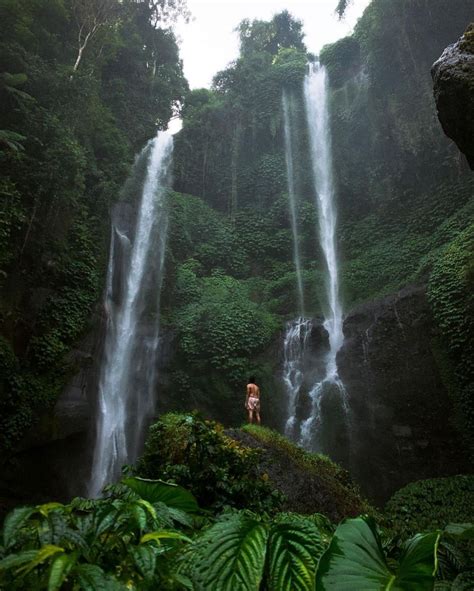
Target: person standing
252 400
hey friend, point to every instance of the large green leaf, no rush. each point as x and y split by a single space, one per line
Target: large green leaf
60 568
42 555
14 560
13 522
355 560
155 491
92 578
230 556
144 558
294 547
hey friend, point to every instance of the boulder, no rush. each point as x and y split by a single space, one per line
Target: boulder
453 84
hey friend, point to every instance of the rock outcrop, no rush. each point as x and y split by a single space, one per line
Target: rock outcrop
400 410
453 79
310 483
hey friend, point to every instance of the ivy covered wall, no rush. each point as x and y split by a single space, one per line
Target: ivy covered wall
68 134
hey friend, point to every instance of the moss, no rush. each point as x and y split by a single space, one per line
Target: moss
342 60
450 293
312 482
432 504
467 40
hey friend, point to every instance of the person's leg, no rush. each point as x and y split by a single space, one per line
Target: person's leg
250 415
257 416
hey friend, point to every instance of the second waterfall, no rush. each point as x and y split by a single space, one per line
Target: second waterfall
128 371
309 428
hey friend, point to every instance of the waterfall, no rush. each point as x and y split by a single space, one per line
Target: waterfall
292 197
128 371
317 115
294 349
298 330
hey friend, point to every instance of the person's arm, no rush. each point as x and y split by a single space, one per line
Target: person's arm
247 397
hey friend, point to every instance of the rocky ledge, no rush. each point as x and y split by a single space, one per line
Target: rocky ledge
453 83
400 411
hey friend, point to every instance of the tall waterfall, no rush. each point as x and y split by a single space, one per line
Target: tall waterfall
317 115
297 330
292 197
128 371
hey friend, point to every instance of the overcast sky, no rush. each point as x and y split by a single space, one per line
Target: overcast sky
208 43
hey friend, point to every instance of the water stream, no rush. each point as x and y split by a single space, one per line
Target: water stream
128 371
317 116
286 103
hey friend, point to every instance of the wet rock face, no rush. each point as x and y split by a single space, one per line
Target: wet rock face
400 417
453 84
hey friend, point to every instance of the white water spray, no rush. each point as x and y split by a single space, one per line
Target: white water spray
128 373
294 349
317 115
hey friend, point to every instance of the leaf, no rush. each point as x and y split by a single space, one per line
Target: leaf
17 559
47 507
154 491
60 568
464 531
91 578
231 555
355 560
144 558
464 582
180 517
14 521
164 534
294 547
41 556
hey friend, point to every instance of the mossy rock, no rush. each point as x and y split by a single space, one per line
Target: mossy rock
311 483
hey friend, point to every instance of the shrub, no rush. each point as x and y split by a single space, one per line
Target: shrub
195 453
430 504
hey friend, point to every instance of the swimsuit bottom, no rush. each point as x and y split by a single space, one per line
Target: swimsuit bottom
253 404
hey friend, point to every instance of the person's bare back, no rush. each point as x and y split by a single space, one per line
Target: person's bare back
252 400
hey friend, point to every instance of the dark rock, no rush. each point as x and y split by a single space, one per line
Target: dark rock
453 80
307 490
54 459
400 411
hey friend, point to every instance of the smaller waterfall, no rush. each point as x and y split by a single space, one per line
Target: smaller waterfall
292 197
294 349
128 372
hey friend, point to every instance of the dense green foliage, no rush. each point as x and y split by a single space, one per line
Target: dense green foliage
451 293
432 504
125 541
198 455
68 134
148 534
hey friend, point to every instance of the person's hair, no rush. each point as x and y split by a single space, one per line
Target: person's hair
251 380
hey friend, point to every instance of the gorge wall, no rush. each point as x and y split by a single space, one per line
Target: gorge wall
405 200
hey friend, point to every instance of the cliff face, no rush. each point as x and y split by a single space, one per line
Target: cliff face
401 414
453 84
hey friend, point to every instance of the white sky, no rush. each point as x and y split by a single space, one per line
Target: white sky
208 43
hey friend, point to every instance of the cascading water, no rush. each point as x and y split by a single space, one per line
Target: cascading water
294 350
298 330
317 116
128 372
285 99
